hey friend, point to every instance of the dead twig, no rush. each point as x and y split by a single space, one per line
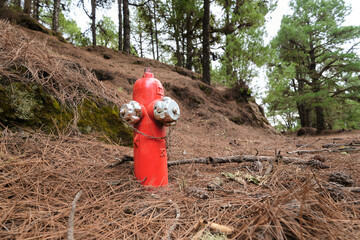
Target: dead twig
70 232
325 150
125 158
176 220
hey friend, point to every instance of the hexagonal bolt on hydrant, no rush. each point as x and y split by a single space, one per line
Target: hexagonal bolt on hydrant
149 112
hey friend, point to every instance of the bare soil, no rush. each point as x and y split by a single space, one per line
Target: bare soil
41 174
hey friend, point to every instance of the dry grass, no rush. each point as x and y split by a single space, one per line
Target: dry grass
66 80
40 176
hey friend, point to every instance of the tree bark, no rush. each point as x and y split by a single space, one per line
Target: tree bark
93 21
126 14
36 9
206 43
55 20
228 63
152 36
27 6
189 39
141 44
156 33
304 114
120 47
320 119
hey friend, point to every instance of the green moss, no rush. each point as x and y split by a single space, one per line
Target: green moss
98 116
29 105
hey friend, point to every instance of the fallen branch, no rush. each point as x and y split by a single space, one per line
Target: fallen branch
70 231
325 150
309 144
353 189
175 222
219 160
337 145
238 159
125 158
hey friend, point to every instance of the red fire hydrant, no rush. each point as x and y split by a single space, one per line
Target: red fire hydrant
149 113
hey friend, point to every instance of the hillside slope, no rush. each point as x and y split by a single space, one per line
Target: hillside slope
70 74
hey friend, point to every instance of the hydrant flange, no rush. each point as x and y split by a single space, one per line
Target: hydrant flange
131 112
166 111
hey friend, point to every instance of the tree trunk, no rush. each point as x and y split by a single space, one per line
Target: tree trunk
320 119
304 114
183 40
120 47
27 6
152 37
206 43
228 62
178 53
189 46
175 25
126 14
141 43
93 21
55 20
156 34
2 3
36 9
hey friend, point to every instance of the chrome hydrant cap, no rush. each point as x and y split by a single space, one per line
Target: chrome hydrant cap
167 111
131 112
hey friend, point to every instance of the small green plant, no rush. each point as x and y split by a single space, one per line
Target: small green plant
182 184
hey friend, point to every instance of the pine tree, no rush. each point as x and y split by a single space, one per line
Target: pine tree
242 31
323 54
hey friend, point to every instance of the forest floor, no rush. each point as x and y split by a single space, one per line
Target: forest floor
42 175
54 185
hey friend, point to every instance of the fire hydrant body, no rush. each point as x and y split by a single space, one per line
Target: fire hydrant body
149 113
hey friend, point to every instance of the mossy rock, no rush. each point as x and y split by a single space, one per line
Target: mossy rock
98 116
29 105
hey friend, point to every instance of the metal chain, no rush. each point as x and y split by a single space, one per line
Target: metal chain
167 137
168 143
144 134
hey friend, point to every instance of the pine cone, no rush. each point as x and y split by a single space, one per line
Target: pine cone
317 164
341 178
